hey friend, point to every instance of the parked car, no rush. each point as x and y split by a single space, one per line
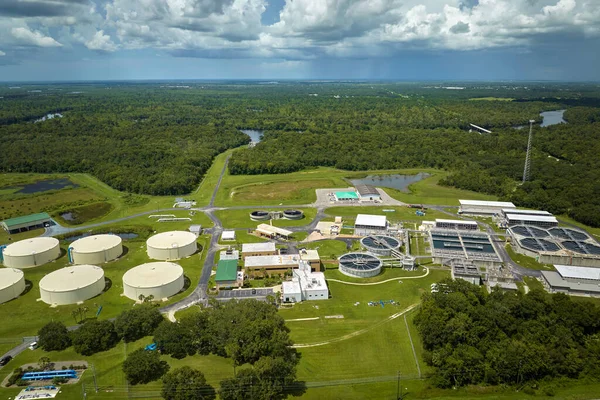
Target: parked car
5 360
33 346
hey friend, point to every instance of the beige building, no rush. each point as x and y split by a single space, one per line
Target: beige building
31 252
172 245
278 264
12 284
72 285
157 279
312 258
259 249
96 249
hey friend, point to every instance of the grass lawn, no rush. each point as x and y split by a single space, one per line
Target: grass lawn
428 191
387 273
328 249
205 190
241 218
6 238
400 214
83 214
526 261
242 237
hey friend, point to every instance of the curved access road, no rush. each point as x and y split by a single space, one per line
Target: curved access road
379 283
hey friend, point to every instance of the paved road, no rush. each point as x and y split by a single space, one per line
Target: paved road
244 294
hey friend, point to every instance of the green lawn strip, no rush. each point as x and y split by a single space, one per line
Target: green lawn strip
526 261
328 249
34 314
241 218
400 214
205 190
533 283
282 192
428 191
387 273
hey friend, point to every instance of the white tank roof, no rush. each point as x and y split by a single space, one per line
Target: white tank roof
95 243
31 246
71 278
9 277
172 239
151 275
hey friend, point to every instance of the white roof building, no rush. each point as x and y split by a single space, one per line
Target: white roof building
542 219
273 231
371 220
525 212
258 247
283 261
228 235
573 272
482 203
485 208
305 285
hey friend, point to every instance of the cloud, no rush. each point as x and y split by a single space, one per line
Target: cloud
101 42
2 53
26 37
39 8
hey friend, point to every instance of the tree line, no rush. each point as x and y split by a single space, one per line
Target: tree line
472 337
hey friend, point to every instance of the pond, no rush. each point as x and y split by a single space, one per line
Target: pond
124 236
255 136
44 186
399 182
552 118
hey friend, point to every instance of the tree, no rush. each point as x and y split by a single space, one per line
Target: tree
54 336
94 336
173 338
44 363
186 383
138 322
143 366
241 387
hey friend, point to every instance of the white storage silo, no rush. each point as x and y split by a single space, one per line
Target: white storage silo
31 252
71 285
96 249
12 284
157 279
171 245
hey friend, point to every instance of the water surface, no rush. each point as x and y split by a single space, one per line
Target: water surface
45 185
552 118
396 181
255 136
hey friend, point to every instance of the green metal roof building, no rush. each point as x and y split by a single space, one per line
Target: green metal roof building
26 222
227 273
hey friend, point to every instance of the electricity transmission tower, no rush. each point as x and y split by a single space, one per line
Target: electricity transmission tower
528 156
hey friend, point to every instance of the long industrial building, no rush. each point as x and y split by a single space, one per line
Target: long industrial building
278 264
542 221
26 222
259 249
573 280
456 224
483 208
273 232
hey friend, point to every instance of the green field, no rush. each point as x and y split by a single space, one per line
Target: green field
328 249
526 261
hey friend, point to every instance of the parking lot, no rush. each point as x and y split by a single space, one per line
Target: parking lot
244 293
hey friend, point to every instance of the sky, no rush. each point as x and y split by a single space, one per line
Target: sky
67 40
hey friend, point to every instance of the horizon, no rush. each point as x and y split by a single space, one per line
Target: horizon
388 40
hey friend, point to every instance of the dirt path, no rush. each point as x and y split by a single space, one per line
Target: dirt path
357 333
386 281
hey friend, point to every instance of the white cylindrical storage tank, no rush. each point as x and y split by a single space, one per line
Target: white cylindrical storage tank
360 265
71 285
171 245
12 283
96 249
31 252
157 279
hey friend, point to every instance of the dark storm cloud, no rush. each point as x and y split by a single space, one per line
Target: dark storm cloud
39 8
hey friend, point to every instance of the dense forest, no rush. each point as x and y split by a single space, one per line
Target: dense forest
472 337
160 138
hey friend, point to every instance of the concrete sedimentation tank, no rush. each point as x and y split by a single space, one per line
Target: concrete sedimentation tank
380 244
259 215
96 249
360 265
171 245
12 284
293 214
72 285
157 279
31 252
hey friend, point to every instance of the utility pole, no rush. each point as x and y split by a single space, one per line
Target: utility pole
527 169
